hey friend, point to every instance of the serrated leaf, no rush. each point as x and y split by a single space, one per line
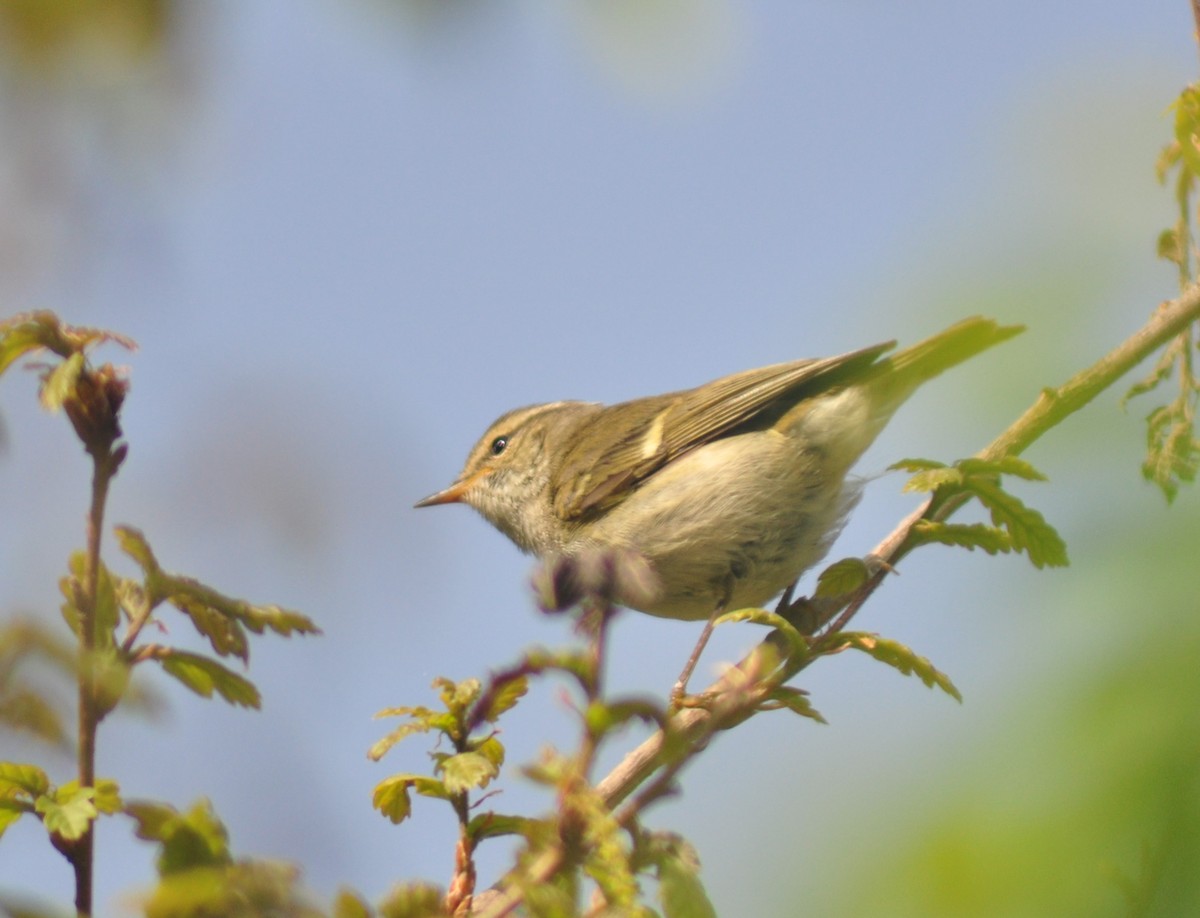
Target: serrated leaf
59 383
204 676
189 594
458 696
932 479
105 794
915 465
492 750
841 578
224 634
1027 529
505 697
67 812
1005 465
133 542
794 700
493 825
467 770
188 840
24 779
380 748
1187 127
970 536
899 657
796 642
391 797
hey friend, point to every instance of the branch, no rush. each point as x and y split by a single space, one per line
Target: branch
1052 406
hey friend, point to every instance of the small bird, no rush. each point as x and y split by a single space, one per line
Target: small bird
729 491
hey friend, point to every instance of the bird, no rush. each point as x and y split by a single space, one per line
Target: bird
728 491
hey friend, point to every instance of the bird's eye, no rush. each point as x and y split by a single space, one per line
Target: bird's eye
499 445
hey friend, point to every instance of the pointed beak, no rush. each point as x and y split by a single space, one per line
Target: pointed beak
451 495
456 493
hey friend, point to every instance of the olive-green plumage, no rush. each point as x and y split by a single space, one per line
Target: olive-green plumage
729 491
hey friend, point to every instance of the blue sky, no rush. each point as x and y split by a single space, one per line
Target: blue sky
348 235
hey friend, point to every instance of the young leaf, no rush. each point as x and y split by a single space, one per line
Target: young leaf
133 543
965 535
493 825
67 812
504 697
349 904
188 840
1005 465
413 900
59 382
1027 529
467 770
795 640
899 657
679 886
391 797
16 779
203 676
932 479
841 578
916 465
792 699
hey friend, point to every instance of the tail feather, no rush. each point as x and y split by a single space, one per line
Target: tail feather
897 376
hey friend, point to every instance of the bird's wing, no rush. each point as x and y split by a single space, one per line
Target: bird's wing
662 428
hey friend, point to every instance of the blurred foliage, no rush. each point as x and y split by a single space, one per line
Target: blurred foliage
42 33
1087 802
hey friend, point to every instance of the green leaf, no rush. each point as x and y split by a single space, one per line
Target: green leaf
22 779
504 697
1187 127
932 479
467 770
494 825
69 811
1006 465
794 700
897 656
188 840
796 642
841 578
10 812
1027 529
203 676
225 635
413 900
970 536
679 886
133 543
916 465
391 797
59 383
349 904
458 696
492 750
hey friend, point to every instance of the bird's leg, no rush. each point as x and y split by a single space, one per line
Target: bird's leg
680 687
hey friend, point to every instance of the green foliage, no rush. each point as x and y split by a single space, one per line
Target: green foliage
24 646
66 811
1172 448
894 654
1015 527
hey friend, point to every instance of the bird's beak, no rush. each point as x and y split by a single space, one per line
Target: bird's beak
451 495
457 492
